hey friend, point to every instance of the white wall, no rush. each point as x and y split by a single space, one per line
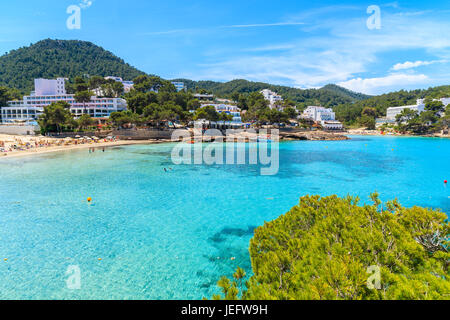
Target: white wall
445 101
46 87
392 113
19 130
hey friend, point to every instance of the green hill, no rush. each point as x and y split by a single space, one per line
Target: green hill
339 90
330 95
350 113
60 58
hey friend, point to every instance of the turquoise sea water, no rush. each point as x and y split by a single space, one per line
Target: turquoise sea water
171 235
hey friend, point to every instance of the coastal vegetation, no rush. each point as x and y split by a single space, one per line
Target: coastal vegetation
355 114
8 94
153 101
435 117
334 248
209 113
56 116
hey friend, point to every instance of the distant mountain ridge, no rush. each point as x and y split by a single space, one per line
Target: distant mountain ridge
347 92
330 95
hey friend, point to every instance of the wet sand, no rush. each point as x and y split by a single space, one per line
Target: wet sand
58 148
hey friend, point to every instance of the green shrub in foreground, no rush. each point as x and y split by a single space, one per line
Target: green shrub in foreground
323 247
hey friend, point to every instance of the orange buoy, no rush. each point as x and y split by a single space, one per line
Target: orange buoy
89 199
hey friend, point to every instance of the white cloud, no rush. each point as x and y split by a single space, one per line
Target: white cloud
379 85
392 5
335 50
85 4
411 65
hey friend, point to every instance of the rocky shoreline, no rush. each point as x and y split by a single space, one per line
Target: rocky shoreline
313 136
283 136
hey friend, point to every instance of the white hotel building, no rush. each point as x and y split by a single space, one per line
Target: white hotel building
326 117
50 91
419 107
274 99
392 113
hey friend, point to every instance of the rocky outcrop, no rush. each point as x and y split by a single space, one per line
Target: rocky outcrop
313 136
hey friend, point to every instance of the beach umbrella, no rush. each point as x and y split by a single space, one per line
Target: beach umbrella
77 136
95 138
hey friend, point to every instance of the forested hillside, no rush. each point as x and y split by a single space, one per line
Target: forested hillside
328 96
350 113
60 58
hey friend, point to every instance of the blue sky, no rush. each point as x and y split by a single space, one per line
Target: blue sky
303 44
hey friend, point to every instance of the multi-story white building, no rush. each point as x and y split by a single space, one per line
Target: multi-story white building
228 109
445 101
44 87
325 116
319 114
274 99
47 92
392 113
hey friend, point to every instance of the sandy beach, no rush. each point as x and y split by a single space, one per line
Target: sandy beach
15 146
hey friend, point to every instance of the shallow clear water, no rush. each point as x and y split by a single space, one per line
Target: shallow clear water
171 235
